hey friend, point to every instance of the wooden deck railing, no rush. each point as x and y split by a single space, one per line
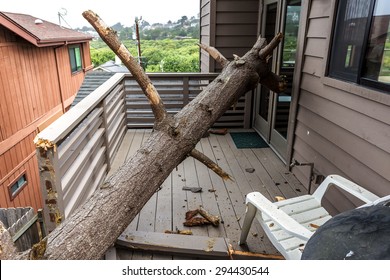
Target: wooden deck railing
76 151
176 91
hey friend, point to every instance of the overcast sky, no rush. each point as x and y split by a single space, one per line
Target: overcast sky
111 12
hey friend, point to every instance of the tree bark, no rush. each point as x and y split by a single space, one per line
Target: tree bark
96 225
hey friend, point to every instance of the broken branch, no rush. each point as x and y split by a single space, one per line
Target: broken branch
196 221
210 164
214 220
215 54
206 219
110 37
274 82
267 50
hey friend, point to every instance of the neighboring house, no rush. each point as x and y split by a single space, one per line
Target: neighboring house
335 113
42 66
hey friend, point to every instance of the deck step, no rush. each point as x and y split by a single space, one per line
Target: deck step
200 246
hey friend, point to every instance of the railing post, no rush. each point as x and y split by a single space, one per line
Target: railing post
186 90
105 134
50 180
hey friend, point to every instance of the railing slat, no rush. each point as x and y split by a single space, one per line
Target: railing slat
77 166
76 197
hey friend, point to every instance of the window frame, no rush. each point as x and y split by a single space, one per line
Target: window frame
73 48
14 194
345 77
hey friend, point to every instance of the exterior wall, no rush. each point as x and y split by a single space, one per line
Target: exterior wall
231 26
341 127
14 162
207 33
33 93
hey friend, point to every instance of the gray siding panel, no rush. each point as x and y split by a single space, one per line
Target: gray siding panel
341 129
235 28
205 34
320 8
313 66
316 47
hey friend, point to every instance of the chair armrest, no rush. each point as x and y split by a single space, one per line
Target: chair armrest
280 218
346 185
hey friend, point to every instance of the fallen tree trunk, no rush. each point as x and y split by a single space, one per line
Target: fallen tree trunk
96 225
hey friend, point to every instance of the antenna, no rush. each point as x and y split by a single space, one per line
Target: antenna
61 13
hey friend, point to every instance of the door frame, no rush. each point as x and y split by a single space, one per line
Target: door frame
303 25
263 126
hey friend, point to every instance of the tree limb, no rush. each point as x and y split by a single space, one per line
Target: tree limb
110 37
215 54
267 50
210 164
274 82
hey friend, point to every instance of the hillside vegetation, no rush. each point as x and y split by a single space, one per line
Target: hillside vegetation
168 55
169 47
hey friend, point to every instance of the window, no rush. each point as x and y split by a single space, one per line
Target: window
361 43
75 58
16 186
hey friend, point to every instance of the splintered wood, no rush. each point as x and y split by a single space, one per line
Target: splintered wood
200 217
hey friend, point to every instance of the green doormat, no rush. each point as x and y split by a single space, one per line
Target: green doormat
248 140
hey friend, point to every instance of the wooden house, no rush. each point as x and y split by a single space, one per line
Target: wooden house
42 66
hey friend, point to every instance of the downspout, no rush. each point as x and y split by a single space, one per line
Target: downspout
59 78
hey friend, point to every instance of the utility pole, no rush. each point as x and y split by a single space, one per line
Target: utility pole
138 40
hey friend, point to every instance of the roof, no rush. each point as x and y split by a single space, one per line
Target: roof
40 32
92 81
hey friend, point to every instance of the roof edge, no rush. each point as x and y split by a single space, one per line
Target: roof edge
18 29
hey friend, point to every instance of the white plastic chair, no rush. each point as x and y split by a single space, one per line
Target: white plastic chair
290 223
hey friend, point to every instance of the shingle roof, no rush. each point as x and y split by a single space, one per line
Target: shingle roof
41 32
91 82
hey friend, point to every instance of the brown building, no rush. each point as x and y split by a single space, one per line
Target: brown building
42 66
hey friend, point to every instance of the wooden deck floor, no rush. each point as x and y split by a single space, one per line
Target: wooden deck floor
166 209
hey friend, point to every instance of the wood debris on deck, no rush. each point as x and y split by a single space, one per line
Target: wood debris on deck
166 210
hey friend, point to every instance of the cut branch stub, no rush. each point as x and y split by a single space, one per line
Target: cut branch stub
215 54
267 50
110 37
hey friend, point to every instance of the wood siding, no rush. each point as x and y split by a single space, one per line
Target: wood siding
18 160
230 26
343 128
207 34
36 85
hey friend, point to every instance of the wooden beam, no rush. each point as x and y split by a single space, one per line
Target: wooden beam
204 246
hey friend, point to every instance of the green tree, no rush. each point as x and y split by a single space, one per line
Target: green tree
126 34
100 56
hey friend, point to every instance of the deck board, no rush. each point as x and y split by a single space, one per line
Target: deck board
167 207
